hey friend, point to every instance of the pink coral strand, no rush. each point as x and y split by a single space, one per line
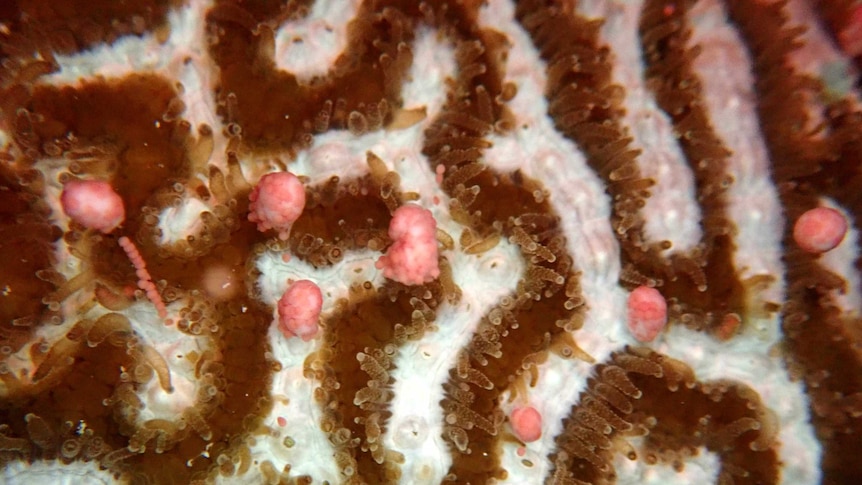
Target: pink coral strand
145 281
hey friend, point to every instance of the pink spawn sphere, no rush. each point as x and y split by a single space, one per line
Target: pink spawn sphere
277 202
820 230
526 423
647 313
412 257
299 310
93 204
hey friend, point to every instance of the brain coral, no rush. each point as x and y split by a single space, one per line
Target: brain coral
562 154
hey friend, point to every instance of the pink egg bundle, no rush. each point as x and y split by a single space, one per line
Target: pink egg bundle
412 258
820 230
277 202
647 313
299 310
94 204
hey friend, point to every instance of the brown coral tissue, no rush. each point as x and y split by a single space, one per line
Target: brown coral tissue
568 153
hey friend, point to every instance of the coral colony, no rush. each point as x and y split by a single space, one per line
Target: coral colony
421 242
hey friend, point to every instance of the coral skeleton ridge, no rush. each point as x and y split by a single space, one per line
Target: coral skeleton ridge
403 242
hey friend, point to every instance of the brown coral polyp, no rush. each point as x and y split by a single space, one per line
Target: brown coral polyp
637 393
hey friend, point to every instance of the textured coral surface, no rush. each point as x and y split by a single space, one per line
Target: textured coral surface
553 156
